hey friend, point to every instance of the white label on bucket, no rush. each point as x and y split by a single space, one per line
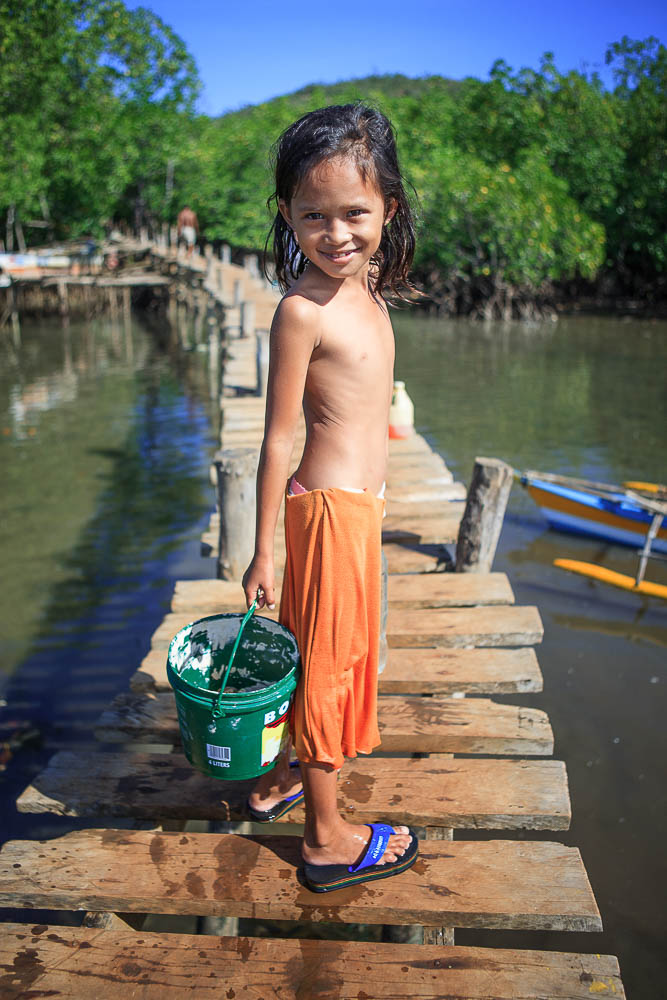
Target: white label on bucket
218 753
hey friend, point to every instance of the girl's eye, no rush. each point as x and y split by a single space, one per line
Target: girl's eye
313 215
356 211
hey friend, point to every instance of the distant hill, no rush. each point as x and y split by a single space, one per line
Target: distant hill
389 85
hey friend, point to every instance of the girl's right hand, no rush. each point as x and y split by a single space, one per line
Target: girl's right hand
259 582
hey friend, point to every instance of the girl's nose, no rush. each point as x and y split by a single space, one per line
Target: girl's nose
338 232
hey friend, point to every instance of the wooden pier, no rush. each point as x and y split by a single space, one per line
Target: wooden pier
451 759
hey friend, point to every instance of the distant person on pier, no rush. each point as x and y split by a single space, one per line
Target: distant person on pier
188 228
342 237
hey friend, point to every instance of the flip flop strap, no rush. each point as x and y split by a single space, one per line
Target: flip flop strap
380 834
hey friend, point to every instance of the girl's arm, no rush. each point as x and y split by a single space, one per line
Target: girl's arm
293 337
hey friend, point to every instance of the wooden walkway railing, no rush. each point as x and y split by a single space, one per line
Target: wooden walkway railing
455 640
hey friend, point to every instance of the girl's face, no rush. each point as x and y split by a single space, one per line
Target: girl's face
337 217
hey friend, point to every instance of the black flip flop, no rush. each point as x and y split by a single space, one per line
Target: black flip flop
280 808
326 878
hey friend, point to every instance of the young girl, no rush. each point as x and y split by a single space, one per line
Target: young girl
343 233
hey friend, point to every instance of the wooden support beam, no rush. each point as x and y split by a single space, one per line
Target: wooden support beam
236 470
484 513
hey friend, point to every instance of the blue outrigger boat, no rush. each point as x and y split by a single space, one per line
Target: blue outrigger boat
633 514
614 513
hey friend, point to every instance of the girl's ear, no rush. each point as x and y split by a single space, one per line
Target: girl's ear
284 211
391 210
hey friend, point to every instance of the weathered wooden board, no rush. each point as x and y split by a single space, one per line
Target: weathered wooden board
415 493
422 671
441 527
408 558
503 625
81 963
406 590
453 883
466 671
429 464
480 626
407 725
466 793
448 590
415 442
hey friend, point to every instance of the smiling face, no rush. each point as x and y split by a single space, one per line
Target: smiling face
337 217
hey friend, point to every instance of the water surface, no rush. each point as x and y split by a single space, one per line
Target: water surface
586 397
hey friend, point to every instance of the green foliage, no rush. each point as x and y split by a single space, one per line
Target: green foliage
514 225
92 99
527 179
637 219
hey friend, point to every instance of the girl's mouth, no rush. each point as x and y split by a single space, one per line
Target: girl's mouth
341 256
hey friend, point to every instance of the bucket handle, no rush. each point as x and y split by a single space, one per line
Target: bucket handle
217 710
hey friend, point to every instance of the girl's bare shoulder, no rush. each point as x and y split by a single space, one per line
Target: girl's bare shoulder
297 316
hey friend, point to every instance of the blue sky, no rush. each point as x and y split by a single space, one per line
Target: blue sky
250 52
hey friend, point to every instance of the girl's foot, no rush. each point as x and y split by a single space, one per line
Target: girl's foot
274 787
347 844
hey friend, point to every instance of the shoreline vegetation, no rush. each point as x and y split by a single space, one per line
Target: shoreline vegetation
536 191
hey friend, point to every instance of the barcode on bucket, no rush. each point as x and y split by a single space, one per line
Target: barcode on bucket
219 753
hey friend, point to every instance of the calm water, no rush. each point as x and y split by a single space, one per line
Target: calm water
583 396
104 448
104 455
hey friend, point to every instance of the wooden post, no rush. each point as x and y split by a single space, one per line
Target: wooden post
247 318
64 298
226 253
214 372
262 361
238 292
236 470
251 264
483 518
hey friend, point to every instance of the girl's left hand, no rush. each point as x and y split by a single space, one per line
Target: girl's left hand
259 583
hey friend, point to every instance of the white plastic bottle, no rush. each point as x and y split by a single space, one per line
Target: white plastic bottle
401 413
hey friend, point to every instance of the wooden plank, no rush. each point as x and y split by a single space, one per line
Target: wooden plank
413 492
407 725
443 590
490 626
406 590
439 528
462 794
403 558
423 671
431 464
478 626
80 963
457 883
465 671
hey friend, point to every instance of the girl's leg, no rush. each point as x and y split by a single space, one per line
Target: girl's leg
274 786
328 838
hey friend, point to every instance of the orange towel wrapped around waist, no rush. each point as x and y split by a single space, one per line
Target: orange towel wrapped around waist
331 602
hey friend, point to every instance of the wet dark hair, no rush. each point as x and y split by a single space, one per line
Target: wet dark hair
367 135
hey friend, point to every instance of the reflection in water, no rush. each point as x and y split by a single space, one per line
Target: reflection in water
104 454
582 397
623 629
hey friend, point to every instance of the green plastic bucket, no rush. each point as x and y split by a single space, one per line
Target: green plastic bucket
233 678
